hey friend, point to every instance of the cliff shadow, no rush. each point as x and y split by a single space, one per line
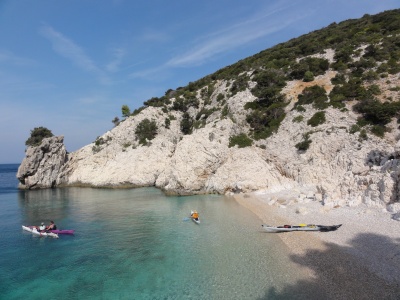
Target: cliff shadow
348 272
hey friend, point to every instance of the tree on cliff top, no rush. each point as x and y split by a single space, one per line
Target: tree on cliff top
37 135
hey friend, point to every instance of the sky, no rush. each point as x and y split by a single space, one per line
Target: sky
70 65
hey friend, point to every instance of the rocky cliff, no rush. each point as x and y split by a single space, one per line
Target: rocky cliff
340 165
42 164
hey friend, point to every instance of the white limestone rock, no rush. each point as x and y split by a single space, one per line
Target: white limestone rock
42 164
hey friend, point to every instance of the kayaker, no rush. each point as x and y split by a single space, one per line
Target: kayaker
42 227
52 226
195 215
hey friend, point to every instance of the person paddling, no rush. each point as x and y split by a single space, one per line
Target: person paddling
52 226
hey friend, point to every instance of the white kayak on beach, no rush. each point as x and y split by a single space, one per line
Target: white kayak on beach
36 232
301 227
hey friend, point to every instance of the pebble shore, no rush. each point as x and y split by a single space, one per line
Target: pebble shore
361 260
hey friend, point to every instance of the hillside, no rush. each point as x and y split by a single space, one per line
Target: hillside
317 115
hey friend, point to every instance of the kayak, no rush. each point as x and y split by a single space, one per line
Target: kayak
301 227
63 231
36 232
196 220
58 231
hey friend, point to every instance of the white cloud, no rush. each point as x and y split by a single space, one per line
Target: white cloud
68 49
258 26
119 54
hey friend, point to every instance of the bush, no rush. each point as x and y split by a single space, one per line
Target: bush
167 123
220 97
303 145
267 120
314 95
363 135
308 76
37 135
186 124
378 130
298 119
317 119
354 128
146 131
242 140
125 111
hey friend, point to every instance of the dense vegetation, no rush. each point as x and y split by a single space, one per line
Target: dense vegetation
37 135
146 131
366 50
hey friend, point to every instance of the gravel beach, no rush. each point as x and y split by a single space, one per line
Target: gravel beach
361 260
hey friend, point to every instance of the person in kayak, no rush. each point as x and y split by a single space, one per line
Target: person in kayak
52 226
42 227
195 215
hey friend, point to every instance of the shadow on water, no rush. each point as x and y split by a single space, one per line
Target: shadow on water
342 276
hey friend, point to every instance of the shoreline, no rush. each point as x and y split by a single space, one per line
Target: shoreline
360 260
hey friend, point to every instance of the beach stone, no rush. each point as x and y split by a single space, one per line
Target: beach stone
396 217
393 208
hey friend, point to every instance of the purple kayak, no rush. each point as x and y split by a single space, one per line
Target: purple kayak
64 231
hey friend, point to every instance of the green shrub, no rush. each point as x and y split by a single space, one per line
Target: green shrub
239 85
167 123
145 131
377 113
299 108
266 121
298 119
157 102
37 135
338 79
378 130
303 145
99 141
186 124
354 128
125 111
314 95
363 135
220 97
308 76
224 111
241 140
317 119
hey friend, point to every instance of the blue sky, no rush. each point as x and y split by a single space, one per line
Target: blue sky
70 65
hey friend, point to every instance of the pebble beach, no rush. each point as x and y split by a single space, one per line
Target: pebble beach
360 260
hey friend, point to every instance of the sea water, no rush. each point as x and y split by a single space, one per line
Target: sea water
137 244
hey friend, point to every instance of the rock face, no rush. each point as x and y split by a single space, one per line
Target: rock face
42 164
339 168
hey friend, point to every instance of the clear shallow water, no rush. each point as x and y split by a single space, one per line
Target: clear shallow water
135 244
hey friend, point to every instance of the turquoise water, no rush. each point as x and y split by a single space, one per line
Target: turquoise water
136 244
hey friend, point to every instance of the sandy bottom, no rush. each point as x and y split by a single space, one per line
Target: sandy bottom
361 260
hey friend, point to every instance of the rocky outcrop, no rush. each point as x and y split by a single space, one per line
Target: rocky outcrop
42 164
339 168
